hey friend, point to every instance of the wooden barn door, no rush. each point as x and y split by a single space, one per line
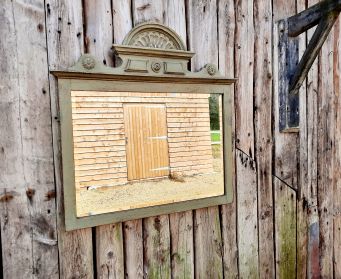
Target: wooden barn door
146 140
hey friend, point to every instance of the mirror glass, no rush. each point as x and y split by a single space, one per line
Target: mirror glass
135 150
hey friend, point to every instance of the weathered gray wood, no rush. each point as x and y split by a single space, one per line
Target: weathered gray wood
247 216
244 65
226 29
285 153
246 173
146 10
310 17
65 42
285 172
303 189
156 242
311 52
109 251
99 30
122 21
98 42
182 249
337 154
287 63
202 34
175 17
27 199
326 145
310 203
285 230
133 248
263 134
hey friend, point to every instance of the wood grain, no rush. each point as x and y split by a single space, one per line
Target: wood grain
304 187
285 230
27 218
202 34
263 135
146 141
65 42
231 34
156 243
226 40
337 155
312 265
326 145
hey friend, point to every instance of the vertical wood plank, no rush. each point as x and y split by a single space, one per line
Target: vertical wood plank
285 227
109 251
337 154
310 190
285 174
226 29
285 152
303 189
98 42
64 23
244 64
175 17
122 20
202 32
263 134
148 10
99 30
245 140
133 249
182 249
326 145
156 242
203 39
27 216
247 216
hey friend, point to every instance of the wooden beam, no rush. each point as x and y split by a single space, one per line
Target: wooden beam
312 51
307 19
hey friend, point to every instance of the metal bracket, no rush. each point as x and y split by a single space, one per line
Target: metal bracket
292 72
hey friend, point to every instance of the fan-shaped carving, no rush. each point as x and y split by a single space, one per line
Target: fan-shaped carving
153 39
153 35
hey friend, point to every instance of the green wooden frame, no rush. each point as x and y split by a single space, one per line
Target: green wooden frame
90 75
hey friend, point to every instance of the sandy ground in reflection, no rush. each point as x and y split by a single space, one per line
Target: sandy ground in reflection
150 193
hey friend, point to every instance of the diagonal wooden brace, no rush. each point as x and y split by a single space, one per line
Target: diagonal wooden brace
292 72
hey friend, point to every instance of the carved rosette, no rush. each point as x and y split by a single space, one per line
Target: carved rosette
156 67
88 62
211 69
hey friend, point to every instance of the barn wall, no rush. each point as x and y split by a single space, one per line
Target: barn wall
285 219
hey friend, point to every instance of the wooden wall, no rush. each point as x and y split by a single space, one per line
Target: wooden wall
285 221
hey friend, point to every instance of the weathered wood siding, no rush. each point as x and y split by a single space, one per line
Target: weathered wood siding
285 219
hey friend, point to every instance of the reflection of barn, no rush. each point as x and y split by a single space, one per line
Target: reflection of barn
132 136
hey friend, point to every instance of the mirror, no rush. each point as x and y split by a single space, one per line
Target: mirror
134 150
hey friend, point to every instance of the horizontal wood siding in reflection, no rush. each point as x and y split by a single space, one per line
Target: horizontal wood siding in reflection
99 134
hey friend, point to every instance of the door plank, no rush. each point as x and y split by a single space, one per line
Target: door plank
146 141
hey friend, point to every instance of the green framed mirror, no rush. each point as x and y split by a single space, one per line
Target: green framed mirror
145 138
